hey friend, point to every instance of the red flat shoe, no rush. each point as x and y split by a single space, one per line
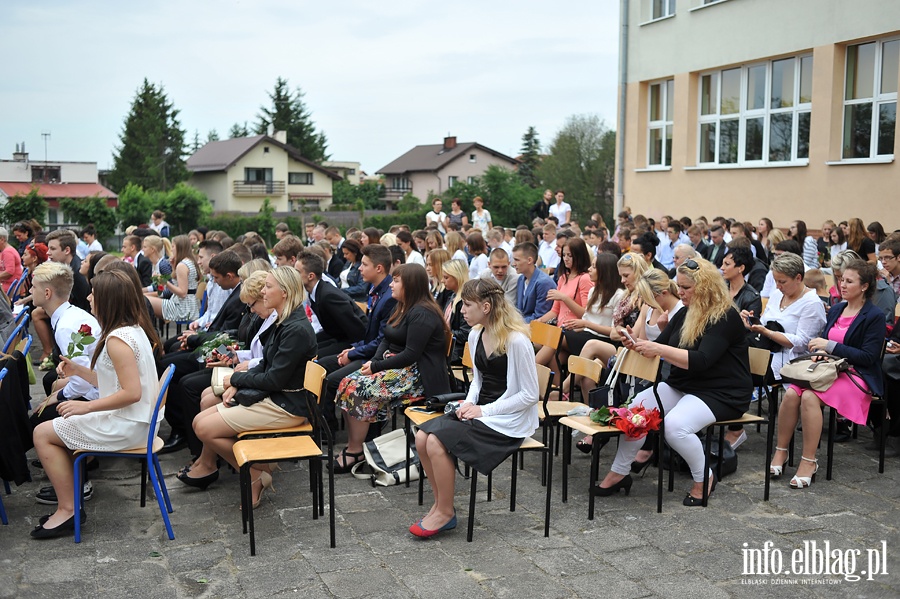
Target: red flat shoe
424 533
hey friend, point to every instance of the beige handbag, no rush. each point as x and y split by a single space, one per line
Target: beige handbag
817 375
218 378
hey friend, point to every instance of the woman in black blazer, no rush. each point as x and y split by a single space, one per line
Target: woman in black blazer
286 351
455 275
854 330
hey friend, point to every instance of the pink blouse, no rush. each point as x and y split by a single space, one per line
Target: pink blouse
578 288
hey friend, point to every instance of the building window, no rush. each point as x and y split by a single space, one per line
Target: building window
473 158
46 174
265 149
351 171
659 120
257 175
870 99
470 180
451 181
400 184
300 178
661 8
757 114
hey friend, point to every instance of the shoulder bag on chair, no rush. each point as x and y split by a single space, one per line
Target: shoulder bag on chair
609 394
816 371
386 459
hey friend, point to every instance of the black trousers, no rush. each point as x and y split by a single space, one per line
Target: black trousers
185 363
183 405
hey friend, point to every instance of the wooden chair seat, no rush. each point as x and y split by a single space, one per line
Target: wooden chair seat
530 444
418 418
557 409
275 449
462 375
303 429
745 419
157 445
584 424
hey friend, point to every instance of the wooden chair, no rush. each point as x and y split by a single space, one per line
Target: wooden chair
550 335
632 364
290 444
765 302
363 306
148 455
463 373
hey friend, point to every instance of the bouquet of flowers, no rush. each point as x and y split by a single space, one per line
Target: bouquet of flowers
208 351
633 422
159 282
80 338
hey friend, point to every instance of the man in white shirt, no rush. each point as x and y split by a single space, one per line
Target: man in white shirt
548 259
561 210
500 272
89 234
436 215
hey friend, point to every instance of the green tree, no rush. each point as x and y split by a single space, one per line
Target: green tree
506 196
531 158
265 221
213 135
369 192
581 160
24 207
288 113
184 207
135 206
409 203
87 211
238 130
152 150
195 143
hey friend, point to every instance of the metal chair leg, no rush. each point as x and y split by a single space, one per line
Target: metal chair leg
474 489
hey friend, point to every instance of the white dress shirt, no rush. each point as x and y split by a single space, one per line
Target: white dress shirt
65 320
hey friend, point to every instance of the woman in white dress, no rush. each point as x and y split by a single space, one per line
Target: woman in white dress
125 372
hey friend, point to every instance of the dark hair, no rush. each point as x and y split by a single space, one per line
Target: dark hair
397 254
686 221
648 242
312 263
118 304
610 247
581 257
211 246
352 246
741 256
769 225
840 235
476 243
875 227
258 250
373 235
89 230
739 225
226 262
24 228
93 258
415 293
528 249
379 255
789 245
674 224
608 279
868 275
404 236
801 232
891 245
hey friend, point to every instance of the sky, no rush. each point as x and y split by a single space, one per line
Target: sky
378 77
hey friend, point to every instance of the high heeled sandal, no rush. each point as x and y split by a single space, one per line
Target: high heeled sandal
347 466
799 482
776 471
266 479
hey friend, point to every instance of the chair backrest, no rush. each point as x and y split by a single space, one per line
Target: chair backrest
362 306
545 384
203 302
24 345
14 288
579 366
22 315
164 382
467 357
759 361
545 334
765 301
16 335
636 365
314 379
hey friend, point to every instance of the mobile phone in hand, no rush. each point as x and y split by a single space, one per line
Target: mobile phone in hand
754 320
627 334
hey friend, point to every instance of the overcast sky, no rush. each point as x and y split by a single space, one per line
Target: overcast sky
379 77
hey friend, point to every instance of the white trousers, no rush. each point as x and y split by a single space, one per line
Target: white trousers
685 416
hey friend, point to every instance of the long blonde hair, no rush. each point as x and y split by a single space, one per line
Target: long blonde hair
503 318
161 244
653 283
288 278
459 271
436 259
454 241
709 303
638 266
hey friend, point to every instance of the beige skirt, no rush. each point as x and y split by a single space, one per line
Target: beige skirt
262 415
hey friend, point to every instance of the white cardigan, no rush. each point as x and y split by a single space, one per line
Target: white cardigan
515 413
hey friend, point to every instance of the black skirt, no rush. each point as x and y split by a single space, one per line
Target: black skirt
473 442
575 340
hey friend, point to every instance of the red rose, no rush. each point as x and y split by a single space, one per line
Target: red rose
85 329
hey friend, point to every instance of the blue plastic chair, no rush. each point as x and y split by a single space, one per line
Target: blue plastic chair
22 315
147 455
3 517
16 335
14 289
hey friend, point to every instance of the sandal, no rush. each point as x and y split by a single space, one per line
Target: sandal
347 466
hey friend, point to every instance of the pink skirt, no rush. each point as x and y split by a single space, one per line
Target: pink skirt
845 397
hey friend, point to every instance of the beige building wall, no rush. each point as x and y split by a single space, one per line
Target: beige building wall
735 33
462 168
215 186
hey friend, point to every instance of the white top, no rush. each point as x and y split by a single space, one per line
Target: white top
604 316
254 355
95 246
481 222
560 211
769 284
802 320
66 320
436 217
652 330
215 299
478 264
547 254
514 413
460 255
136 338
415 258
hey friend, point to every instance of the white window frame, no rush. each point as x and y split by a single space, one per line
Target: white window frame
400 184
307 176
470 180
451 181
668 8
660 124
744 114
876 100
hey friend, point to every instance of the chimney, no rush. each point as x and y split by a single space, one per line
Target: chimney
281 136
449 143
20 155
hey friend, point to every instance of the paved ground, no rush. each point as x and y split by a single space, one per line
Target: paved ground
627 551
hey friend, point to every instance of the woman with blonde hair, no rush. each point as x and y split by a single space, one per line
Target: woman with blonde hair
183 304
255 265
157 250
455 244
434 267
706 346
455 275
500 409
388 239
433 241
269 395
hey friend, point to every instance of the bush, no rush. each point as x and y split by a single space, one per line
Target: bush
135 206
24 207
416 220
185 206
93 210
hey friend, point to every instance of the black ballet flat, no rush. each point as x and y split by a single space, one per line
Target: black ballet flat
625 483
198 483
691 501
63 530
43 519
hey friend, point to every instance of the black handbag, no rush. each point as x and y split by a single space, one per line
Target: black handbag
437 403
762 342
247 397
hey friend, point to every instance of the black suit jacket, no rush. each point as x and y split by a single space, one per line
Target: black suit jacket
144 269
229 317
703 250
340 318
335 266
720 255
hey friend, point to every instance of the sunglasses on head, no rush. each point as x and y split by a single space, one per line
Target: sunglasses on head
691 264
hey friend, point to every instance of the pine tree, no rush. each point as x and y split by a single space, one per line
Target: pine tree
213 135
195 144
238 130
152 151
288 113
531 158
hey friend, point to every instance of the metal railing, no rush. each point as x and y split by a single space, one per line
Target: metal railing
258 188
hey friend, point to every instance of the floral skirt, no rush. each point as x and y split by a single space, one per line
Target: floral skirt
369 397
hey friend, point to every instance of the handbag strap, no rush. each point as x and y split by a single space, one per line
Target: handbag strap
614 372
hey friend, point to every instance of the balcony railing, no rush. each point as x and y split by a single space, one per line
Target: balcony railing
258 188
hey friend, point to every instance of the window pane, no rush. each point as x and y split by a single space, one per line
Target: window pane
890 64
731 91
753 139
655 147
654 102
783 83
860 71
857 130
658 8
708 142
803 135
669 145
887 118
708 97
781 133
728 141
756 87
806 66
670 99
